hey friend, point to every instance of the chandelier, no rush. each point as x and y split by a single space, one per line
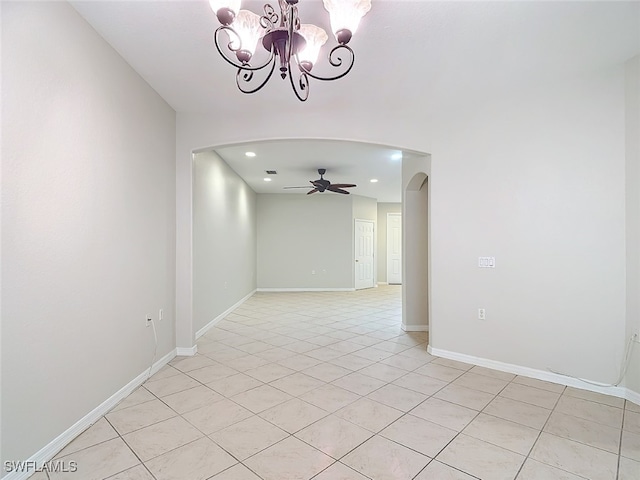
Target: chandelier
292 45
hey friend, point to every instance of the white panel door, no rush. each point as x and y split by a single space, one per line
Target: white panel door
394 248
364 254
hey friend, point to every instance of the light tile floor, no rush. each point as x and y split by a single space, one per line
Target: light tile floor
294 386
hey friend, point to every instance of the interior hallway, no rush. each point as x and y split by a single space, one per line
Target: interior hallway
294 386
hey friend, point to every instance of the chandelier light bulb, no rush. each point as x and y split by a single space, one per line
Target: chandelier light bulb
345 17
247 26
315 37
225 10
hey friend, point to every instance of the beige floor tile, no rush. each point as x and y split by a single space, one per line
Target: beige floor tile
165 372
397 397
300 346
418 353
534 396
330 397
383 459
198 460
466 397
254 347
357 383
420 435
345 347
248 437
248 362
444 413
173 384
293 415
372 353
187 400
99 432
405 363
352 362
630 445
299 362
368 414
481 459
595 412
386 373
138 472
276 354
594 397
226 356
138 396
133 418
482 383
297 384
334 436
269 373
492 373
211 418
575 457
161 437
234 384
584 431
632 422
324 354
420 383
289 459
503 433
212 373
439 471
326 372
440 372
261 398
629 469
364 340
186 364
634 407
534 470
339 471
452 364
98 461
519 412
541 384
237 472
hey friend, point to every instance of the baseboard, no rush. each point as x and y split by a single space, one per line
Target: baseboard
620 392
49 451
306 289
186 351
213 322
415 328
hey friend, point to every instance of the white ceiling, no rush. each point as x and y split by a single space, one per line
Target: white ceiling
416 56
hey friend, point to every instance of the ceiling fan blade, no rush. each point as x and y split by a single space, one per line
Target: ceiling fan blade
343 185
312 191
297 187
333 188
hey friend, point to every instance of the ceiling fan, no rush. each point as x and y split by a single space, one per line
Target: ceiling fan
321 185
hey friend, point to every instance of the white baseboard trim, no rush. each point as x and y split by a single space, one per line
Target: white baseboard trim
186 351
620 392
213 322
415 328
49 451
306 289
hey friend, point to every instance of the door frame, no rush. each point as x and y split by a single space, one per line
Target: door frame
393 214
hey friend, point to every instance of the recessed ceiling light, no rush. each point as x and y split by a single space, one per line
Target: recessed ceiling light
396 156
267 179
374 180
250 154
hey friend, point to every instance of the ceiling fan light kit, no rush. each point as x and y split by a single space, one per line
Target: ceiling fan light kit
289 43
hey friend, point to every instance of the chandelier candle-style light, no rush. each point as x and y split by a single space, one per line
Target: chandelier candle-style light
291 44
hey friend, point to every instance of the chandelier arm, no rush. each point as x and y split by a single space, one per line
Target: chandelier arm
303 92
270 18
229 60
247 77
335 62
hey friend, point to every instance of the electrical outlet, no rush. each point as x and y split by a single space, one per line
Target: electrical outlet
481 314
148 321
160 315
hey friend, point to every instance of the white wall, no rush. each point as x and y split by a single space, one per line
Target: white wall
534 177
632 205
88 223
383 209
298 234
224 238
